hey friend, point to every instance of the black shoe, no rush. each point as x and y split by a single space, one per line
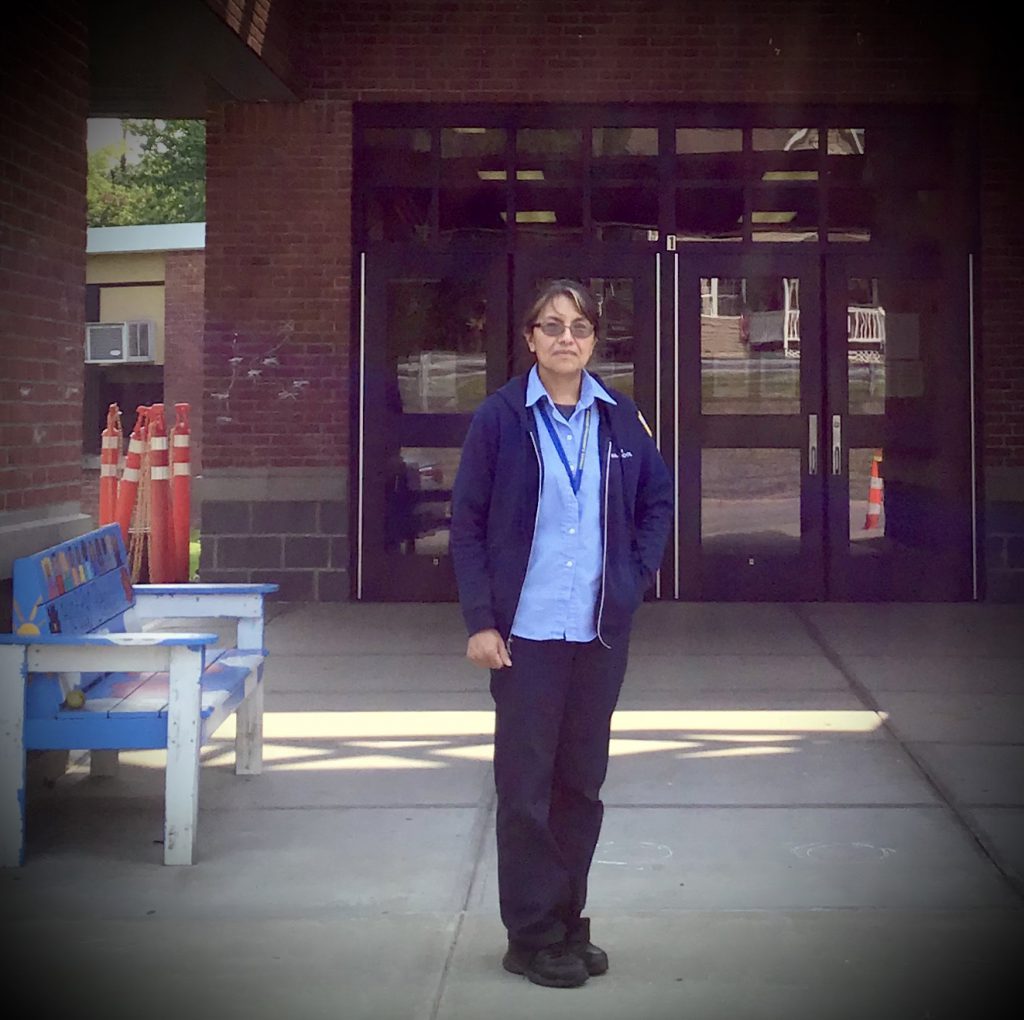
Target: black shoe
553 966
578 943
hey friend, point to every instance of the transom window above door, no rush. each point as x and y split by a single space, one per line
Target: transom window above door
507 176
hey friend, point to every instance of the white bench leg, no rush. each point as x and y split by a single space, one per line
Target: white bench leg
249 716
249 730
12 756
103 763
181 803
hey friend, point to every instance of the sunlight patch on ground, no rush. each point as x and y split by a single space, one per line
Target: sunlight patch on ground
703 724
737 752
379 740
714 723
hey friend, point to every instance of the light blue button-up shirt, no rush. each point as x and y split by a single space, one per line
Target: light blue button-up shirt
563 578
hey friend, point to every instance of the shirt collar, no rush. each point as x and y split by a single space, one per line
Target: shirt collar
590 390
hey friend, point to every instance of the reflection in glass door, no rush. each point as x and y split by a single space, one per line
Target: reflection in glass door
825 458
900 480
433 344
750 486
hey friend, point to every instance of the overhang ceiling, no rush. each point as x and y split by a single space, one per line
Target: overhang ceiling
170 59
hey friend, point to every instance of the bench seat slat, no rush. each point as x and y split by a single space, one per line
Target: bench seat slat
134 707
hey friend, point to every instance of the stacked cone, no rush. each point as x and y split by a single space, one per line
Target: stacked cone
152 512
181 499
111 446
873 519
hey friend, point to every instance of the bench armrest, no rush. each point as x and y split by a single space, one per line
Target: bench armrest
212 601
240 602
197 640
103 653
205 589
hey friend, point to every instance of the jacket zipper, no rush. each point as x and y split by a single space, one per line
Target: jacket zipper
536 518
604 554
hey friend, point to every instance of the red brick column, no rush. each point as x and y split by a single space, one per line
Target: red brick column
184 273
44 85
276 356
1000 299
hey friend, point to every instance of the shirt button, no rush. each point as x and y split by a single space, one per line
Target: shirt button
568 563
568 436
572 531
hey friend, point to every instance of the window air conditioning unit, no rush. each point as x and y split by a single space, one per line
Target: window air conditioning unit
107 342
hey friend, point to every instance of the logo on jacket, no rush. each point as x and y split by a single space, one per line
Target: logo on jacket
622 454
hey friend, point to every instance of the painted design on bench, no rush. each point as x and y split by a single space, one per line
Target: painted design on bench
127 693
78 561
26 626
75 587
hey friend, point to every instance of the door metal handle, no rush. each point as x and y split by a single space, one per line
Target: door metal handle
837 444
812 444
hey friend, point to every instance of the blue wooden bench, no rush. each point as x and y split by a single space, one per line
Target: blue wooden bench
81 672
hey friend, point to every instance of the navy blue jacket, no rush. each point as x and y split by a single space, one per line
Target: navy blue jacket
494 510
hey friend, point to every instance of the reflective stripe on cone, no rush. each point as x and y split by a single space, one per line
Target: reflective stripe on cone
161 570
111 446
873 519
129 487
181 483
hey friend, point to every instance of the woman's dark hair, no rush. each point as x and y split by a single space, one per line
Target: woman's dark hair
585 302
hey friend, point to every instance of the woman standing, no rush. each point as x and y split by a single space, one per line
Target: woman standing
561 509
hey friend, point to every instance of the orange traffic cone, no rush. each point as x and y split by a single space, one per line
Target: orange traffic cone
111 449
181 481
873 519
129 487
161 549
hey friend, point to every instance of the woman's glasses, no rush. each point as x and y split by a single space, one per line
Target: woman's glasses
580 329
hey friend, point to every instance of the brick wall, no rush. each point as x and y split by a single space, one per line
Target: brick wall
44 88
637 50
184 278
276 357
277 285
1001 299
1001 296
44 83
265 26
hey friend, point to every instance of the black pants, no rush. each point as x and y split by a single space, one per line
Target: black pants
553 710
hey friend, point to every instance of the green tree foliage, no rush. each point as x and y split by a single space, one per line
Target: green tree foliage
165 184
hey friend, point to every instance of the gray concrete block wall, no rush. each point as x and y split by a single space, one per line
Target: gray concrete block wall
302 545
1004 551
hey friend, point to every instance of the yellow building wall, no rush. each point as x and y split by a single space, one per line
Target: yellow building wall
129 268
119 304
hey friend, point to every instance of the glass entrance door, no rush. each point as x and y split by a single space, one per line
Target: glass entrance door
749 420
433 343
824 453
899 466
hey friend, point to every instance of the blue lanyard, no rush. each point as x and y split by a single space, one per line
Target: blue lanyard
574 477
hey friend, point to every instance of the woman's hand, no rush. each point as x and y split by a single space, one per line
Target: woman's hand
487 650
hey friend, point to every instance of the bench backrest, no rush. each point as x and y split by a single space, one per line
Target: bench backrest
78 587
81 586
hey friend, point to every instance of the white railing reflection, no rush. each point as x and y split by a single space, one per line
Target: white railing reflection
866 325
442 382
865 328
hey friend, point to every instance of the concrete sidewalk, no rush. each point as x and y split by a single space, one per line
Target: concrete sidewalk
813 811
